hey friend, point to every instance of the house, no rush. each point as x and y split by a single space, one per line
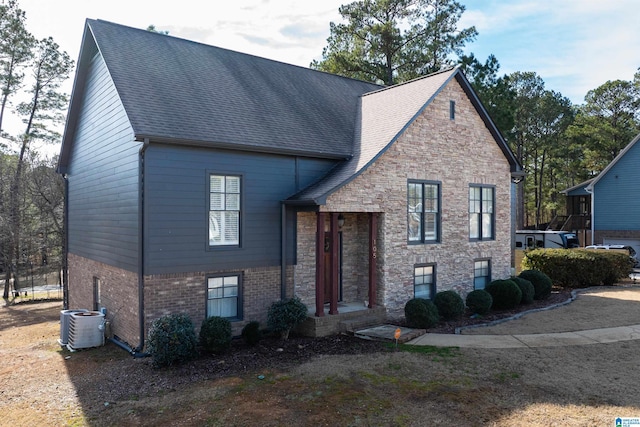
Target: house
210 182
608 204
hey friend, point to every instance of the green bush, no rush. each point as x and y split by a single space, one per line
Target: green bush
541 283
579 267
285 315
251 333
215 334
505 293
527 289
421 313
172 340
450 305
479 301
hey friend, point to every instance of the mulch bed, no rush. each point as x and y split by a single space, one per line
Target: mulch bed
557 296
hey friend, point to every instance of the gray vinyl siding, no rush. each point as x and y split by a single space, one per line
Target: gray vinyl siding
616 194
103 177
176 207
309 170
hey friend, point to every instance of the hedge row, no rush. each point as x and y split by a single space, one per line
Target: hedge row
578 268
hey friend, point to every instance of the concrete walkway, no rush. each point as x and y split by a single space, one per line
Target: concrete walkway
593 336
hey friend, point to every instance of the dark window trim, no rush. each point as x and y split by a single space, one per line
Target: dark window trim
474 271
214 248
452 110
423 240
240 304
493 215
435 280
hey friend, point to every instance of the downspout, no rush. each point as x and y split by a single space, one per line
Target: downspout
145 145
283 251
65 245
137 352
593 213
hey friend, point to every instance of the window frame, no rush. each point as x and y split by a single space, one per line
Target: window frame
432 285
238 296
423 239
488 271
241 202
479 215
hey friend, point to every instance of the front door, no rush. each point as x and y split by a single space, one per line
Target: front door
327 267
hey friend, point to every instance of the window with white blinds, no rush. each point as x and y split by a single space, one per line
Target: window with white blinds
224 210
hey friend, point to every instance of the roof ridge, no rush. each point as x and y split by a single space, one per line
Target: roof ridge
456 67
262 58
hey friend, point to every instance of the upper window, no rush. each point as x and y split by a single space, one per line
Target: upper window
481 273
423 212
223 296
481 216
224 210
424 281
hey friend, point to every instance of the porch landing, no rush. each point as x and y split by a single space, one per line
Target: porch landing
350 318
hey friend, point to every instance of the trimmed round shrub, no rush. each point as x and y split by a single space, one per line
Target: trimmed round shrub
421 313
251 333
540 281
450 305
215 334
479 301
285 315
172 340
505 293
527 289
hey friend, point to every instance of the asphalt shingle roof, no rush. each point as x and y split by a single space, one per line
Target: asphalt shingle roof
178 90
384 115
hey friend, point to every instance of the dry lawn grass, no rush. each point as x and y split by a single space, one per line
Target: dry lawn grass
44 385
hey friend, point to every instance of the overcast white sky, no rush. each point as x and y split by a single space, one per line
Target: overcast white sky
574 45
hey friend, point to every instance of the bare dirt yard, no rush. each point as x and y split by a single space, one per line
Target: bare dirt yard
338 381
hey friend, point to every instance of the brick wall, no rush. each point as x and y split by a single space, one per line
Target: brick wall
166 294
457 153
118 294
186 293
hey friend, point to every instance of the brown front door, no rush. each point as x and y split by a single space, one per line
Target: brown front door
327 267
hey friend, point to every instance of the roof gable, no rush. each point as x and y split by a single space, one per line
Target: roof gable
179 91
611 165
384 116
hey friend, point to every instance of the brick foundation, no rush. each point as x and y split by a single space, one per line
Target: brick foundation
118 294
166 294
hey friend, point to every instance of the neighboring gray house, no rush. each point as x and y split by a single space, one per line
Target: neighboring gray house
210 182
609 204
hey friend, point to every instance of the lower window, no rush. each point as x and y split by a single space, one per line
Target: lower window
481 273
424 281
223 296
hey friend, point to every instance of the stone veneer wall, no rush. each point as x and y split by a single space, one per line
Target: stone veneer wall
166 294
118 294
456 153
355 256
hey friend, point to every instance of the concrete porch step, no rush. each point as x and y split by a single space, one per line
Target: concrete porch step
387 333
352 325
